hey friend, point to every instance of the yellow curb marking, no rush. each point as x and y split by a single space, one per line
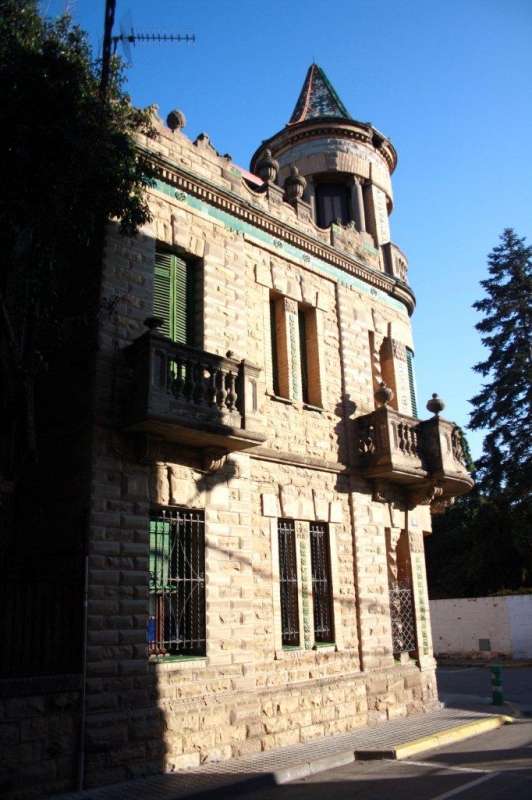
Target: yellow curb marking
516 711
449 736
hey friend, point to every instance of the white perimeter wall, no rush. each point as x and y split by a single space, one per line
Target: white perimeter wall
459 625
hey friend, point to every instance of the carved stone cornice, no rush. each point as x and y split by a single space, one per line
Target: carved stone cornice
342 129
241 208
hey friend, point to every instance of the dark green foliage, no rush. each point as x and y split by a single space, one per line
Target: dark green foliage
504 405
478 547
69 164
483 543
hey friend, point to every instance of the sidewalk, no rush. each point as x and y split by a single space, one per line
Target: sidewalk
399 738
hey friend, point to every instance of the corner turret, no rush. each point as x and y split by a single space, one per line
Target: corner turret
347 166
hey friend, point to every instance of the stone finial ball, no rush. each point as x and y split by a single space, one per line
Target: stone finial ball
384 394
435 404
176 120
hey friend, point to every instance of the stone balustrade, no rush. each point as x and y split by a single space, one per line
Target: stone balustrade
410 452
182 394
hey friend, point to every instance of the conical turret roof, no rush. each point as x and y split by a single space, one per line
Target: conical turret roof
318 99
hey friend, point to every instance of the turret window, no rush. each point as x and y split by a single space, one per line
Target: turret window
332 203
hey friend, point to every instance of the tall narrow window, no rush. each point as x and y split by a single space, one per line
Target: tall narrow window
296 356
177 583
174 297
332 203
400 593
288 583
303 355
411 380
275 345
321 582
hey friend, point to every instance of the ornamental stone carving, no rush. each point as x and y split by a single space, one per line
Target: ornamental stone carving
294 185
267 167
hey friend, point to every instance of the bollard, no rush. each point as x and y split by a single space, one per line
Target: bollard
497 698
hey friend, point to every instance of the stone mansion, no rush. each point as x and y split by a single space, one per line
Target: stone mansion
252 483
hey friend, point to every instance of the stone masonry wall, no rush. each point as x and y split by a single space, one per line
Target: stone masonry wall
39 735
247 694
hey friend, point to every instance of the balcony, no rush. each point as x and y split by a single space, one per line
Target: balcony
181 394
423 456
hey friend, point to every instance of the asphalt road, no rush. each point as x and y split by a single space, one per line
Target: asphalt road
474 682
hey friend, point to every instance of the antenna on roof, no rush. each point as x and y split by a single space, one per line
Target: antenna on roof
127 37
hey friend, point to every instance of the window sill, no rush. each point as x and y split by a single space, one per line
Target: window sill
171 663
296 403
278 399
308 407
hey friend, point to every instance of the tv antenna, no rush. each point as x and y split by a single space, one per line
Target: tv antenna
128 36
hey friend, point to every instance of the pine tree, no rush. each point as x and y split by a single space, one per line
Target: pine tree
483 543
503 407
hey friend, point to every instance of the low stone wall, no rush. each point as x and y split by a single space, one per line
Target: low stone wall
39 735
482 627
187 728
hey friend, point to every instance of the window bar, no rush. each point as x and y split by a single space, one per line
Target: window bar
402 617
288 583
177 583
321 583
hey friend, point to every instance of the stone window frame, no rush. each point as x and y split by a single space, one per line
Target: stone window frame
308 643
177 575
296 365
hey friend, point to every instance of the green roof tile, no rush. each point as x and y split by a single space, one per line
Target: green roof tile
318 99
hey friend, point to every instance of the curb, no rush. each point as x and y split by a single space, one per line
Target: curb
395 752
485 664
445 737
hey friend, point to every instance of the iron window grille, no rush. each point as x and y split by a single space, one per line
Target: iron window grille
402 617
321 583
288 583
176 623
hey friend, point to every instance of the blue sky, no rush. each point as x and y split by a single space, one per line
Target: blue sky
448 81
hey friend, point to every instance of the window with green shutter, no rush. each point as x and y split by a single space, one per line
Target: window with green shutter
174 297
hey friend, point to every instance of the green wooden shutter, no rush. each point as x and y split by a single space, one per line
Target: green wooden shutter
174 297
162 291
160 548
411 380
181 301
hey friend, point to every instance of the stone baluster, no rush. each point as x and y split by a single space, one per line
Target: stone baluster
199 388
231 393
189 385
211 388
221 394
